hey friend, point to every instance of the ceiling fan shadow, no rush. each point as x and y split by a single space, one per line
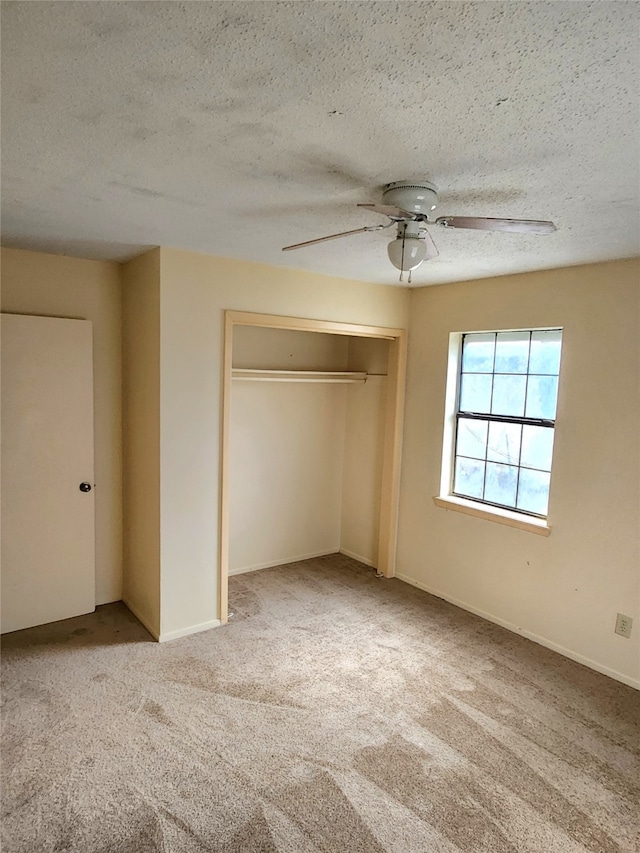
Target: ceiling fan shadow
486 195
321 209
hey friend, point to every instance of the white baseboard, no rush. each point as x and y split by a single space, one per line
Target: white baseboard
357 557
165 636
281 562
141 619
536 638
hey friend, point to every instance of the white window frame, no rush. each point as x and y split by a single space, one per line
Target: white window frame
446 499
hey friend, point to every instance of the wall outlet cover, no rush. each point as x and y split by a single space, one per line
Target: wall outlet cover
623 625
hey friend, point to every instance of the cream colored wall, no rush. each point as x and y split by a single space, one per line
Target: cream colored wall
284 349
58 286
565 590
195 291
363 451
306 460
285 472
141 437
286 450
362 470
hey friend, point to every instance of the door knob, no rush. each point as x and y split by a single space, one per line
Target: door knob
85 487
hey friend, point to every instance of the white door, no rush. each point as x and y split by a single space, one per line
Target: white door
48 540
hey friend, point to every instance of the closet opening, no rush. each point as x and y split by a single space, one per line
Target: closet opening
310 442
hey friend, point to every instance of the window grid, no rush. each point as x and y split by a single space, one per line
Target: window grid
511 465
489 417
526 391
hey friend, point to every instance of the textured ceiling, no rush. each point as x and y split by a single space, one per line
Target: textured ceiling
235 128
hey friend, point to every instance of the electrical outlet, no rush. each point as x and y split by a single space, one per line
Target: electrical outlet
623 625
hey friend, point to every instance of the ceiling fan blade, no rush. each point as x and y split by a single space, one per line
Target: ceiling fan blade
388 210
483 223
330 237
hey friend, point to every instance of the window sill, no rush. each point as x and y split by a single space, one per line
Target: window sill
491 513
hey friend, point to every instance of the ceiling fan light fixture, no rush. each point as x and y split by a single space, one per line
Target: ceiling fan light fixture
407 253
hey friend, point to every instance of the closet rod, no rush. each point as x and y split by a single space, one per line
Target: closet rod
326 376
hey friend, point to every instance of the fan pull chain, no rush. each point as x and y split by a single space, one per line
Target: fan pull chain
409 279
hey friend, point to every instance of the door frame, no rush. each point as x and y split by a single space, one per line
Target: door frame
392 448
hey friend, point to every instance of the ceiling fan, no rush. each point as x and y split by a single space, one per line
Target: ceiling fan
408 204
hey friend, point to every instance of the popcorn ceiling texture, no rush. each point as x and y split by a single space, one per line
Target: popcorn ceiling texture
336 713
237 128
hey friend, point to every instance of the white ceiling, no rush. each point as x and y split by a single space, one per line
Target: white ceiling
235 128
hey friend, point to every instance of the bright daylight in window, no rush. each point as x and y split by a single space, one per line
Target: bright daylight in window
505 418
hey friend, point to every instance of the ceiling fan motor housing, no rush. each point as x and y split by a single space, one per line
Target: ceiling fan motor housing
412 196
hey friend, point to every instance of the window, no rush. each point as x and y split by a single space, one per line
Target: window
506 396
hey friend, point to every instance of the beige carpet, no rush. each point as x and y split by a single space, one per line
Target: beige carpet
336 712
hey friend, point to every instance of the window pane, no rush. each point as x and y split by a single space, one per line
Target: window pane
501 484
477 353
513 377
508 395
504 443
475 392
545 352
512 352
533 491
542 393
537 447
469 477
472 438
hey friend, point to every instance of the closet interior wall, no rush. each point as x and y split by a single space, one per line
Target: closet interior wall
305 456
363 450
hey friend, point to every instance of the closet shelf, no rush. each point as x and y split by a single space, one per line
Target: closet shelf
329 376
